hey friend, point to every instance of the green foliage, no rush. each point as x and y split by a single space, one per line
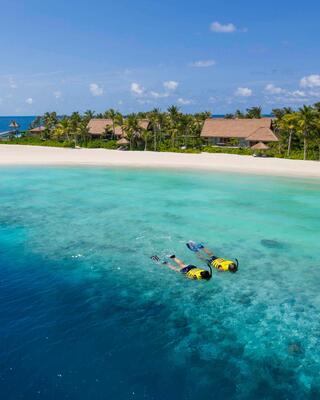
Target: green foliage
174 131
102 144
227 150
38 142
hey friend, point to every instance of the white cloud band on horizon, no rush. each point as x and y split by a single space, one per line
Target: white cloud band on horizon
29 100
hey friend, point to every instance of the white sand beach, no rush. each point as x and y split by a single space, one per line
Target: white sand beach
52 156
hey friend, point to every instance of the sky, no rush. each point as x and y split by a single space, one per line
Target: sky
133 56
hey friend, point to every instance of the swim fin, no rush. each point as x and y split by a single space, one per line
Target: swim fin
193 246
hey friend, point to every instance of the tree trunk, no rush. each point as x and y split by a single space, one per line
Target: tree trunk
319 150
154 139
113 130
145 145
289 143
305 147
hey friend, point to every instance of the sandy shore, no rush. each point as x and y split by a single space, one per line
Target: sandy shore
35 155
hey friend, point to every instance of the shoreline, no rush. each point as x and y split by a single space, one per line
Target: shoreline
19 155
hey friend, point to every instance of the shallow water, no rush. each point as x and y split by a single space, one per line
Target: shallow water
84 313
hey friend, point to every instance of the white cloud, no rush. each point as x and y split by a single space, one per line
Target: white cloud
120 102
144 101
297 93
184 102
310 81
243 92
203 63
272 89
95 89
57 94
12 83
29 100
157 95
137 89
223 28
171 85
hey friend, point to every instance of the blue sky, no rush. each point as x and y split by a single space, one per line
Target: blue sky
137 55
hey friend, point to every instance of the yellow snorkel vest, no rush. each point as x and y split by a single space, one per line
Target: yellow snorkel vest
195 273
221 264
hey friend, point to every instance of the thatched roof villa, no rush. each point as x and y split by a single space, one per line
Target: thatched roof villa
99 127
36 131
244 132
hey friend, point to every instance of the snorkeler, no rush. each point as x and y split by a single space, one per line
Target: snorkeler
190 271
206 255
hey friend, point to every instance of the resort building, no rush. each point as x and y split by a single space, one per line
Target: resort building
103 128
238 132
36 132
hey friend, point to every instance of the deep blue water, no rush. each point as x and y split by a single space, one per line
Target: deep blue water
85 314
24 122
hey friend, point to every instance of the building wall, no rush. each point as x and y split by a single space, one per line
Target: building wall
217 141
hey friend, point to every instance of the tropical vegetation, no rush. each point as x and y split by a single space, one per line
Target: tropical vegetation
298 131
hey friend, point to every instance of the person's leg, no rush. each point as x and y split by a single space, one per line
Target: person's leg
171 266
207 251
180 263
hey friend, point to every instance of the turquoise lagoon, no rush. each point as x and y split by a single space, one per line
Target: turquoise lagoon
85 314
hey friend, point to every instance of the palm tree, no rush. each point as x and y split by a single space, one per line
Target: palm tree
239 114
74 122
173 112
83 132
154 117
112 114
289 123
280 112
174 115
317 106
306 116
36 123
254 112
316 129
50 122
131 128
89 114
145 136
62 130
118 121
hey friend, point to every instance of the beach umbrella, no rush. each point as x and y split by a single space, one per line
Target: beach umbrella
123 142
260 146
14 124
